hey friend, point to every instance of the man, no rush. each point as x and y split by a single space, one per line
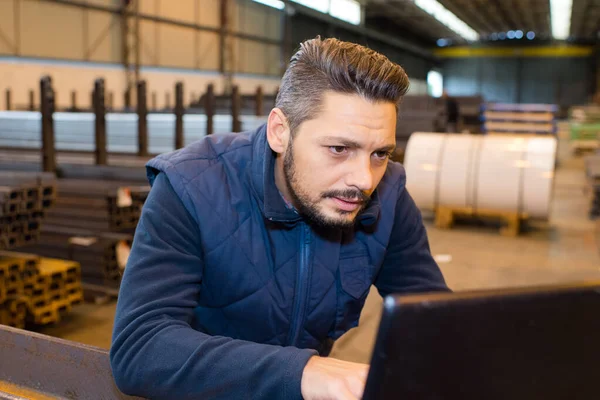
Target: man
452 113
255 251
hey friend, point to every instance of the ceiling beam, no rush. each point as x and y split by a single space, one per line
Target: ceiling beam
518 15
530 17
468 15
488 15
509 22
587 16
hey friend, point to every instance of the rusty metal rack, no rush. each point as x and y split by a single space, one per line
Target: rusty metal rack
24 199
35 366
37 290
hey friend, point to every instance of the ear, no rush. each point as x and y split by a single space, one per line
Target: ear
278 131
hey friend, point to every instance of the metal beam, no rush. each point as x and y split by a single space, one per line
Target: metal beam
4 39
88 6
17 21
39 366
154 18
582 17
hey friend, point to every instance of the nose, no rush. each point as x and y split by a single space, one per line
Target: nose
361 175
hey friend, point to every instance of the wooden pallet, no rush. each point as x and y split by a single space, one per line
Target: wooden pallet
445 217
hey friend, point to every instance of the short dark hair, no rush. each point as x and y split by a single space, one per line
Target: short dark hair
322 65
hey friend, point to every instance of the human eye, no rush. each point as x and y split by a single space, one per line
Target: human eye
382 155
338 150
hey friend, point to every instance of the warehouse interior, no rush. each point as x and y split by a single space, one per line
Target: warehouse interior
91 90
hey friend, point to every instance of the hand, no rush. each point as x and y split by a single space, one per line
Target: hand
331 379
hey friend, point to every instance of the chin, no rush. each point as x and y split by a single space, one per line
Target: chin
341 218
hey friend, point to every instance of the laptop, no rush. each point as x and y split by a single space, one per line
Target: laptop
530 343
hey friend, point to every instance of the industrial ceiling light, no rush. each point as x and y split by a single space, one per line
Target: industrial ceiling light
346 10
560 17
272 3
443 15
319 5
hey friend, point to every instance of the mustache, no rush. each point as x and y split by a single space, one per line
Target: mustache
349 194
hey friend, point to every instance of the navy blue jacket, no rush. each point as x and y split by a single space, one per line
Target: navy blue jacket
227 292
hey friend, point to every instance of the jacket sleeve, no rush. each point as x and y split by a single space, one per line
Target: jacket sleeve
155 352
408 266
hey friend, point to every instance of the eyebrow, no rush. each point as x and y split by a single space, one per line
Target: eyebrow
353 144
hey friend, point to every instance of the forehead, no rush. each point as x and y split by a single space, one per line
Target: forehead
353 117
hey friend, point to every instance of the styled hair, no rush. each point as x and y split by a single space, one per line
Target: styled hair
343 67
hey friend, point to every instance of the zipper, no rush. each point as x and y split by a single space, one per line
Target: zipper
301 287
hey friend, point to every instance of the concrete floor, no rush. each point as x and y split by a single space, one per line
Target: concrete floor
565 250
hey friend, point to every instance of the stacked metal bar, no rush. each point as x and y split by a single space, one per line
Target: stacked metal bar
24 197
97 205
75 131
92 223
502 118
37 290
102 255
418 114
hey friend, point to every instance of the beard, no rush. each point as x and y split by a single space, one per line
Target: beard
308 207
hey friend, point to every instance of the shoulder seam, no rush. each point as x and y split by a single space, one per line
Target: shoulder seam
214 157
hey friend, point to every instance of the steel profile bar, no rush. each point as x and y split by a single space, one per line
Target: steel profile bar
99 107
179 111
34 365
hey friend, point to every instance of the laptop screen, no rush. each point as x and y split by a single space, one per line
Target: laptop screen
532 343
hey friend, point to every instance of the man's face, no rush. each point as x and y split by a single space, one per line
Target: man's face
335 161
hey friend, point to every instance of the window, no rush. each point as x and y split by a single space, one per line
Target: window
272 3
346 10
447 18
319 5
435 83
560 17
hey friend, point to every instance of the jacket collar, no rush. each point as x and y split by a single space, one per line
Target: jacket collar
270 200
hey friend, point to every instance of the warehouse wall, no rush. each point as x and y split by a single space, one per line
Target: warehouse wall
564 81
43 29
40 36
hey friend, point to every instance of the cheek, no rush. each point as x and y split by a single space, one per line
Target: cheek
318 175
378 174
